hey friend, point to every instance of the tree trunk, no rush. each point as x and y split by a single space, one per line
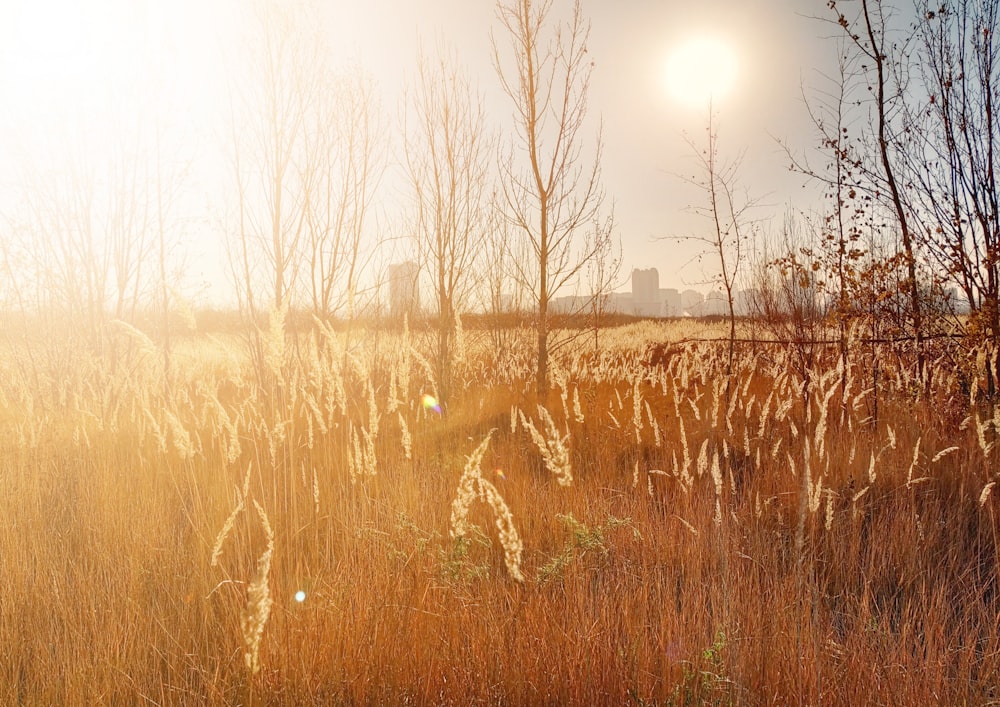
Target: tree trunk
542 363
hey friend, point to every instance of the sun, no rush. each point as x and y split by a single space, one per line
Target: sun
701 70
66 66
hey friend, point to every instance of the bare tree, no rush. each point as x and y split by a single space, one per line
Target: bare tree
869 32
789 301
952 159
448 151
84 231
551 194
59 235
837 256
268 150
503 292
166 180
729 218
344 160
934 85
603 275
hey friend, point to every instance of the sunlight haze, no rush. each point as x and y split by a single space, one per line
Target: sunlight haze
81 76
499 352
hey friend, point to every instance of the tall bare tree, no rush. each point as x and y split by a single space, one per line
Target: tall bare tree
839 250
448 152
870 33
953 158
343 165
603 275
60 237
84 231
728 214
269 125
934 84
502 293
550 176
166 180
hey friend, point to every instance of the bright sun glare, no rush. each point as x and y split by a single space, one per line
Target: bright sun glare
68 64
701 69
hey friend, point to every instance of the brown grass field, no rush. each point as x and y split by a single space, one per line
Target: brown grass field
677 543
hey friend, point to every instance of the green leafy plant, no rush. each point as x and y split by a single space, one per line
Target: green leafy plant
456 560
583 540
705 683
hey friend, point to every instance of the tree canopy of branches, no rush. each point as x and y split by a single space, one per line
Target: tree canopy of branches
306 157
926 154
551 188
448 151
345 158
728 214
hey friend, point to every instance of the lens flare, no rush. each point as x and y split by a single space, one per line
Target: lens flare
300 596
430 403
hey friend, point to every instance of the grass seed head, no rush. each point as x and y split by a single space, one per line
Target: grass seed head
258 607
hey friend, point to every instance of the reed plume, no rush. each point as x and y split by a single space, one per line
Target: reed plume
472 487
552 446
258 607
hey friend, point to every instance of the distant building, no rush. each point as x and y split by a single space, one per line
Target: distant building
619 302
404 292
647 299
670 300
743 302
646 293
715 304
691 302
567 304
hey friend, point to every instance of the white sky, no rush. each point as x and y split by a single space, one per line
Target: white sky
64 62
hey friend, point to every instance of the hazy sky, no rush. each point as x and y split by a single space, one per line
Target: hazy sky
62 62
778 44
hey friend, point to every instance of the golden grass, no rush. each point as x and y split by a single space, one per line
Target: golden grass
768 548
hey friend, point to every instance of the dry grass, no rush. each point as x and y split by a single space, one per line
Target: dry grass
760 549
